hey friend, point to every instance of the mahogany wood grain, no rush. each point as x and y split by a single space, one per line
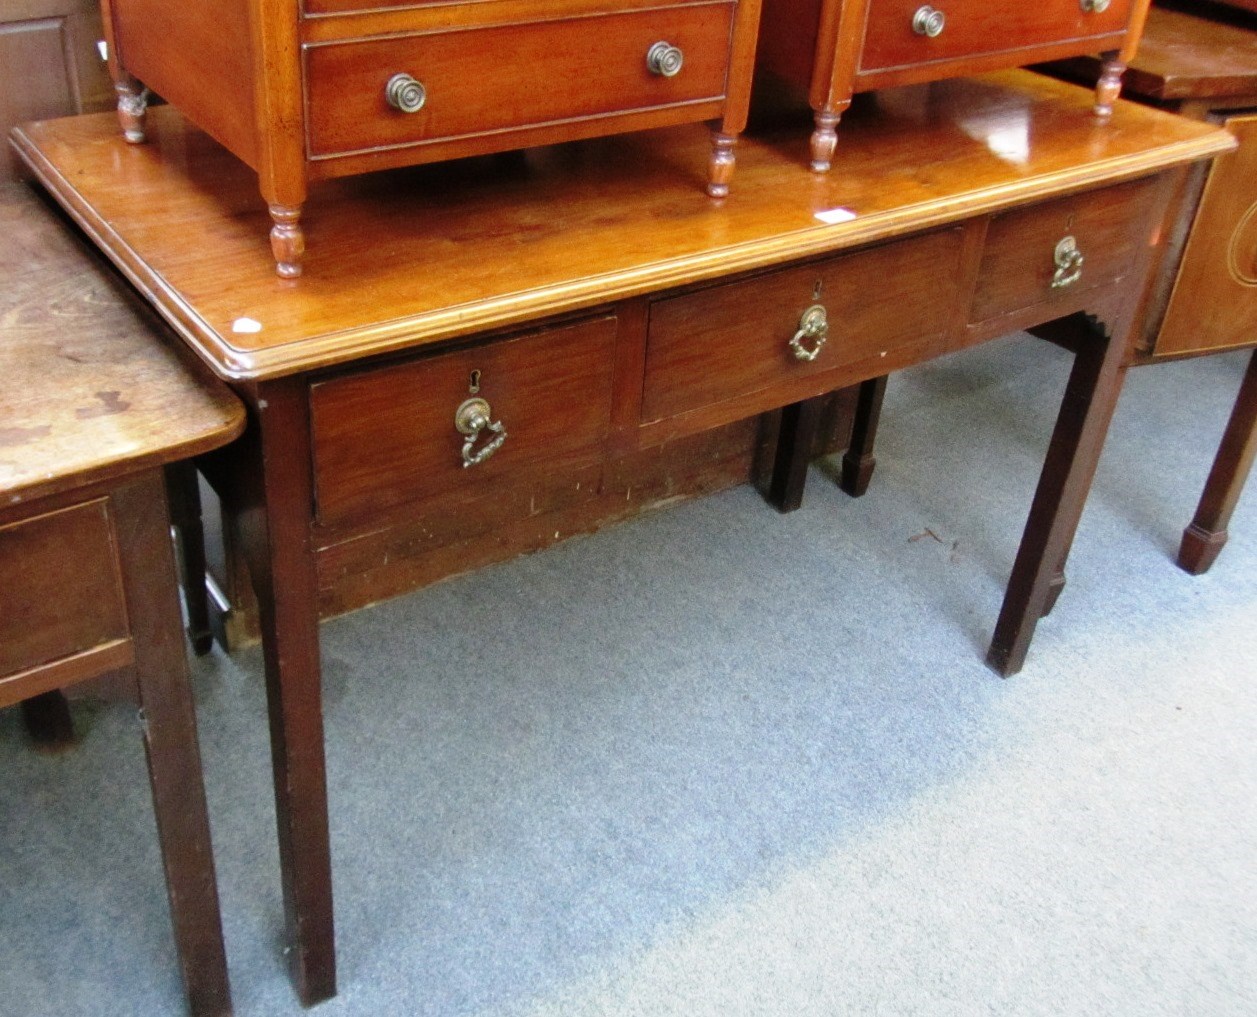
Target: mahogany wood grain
387 436
301 95
862 45
718 344
1018 264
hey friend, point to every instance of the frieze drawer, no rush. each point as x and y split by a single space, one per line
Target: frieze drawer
800 331
1051 252
477 416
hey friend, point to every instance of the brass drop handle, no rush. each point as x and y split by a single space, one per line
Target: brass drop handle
474 418
1095 6
664 59
929 22
813 327
405 94
1068 263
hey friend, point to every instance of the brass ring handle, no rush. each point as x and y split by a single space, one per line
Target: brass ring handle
1095 6
813 325
929 22
1068 263
665 59
473 418
405 94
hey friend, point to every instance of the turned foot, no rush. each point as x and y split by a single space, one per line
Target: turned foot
288 243
132 106
1109 87
825 139
720 168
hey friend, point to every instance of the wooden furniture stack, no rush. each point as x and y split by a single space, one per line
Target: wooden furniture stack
1200 60
323 88
94 408
831 49
555 335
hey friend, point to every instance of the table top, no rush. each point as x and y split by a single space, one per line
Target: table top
1185 56
89 390
420 255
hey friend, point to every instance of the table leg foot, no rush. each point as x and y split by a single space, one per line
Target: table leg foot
858 462
795 441
48 721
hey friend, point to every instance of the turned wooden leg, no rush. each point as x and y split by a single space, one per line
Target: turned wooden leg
1110 84
858 461
132 107
271 499
1205 537
1095 382
720 168
168 720
183 490
825 137
795 441
48 721
288 242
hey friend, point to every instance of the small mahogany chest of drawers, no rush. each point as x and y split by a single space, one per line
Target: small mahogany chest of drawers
303 90
835 48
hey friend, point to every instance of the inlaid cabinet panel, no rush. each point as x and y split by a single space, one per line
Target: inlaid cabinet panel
1214 302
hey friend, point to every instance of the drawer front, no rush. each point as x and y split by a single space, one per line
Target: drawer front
730 341
974 27
486 80
1214 302
387 436
1020 266
63 589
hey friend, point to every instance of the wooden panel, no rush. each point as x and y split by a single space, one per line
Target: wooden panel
1018 263
1214 302
62 588
979 26
49 66
199 57
723 343
387 436
559 70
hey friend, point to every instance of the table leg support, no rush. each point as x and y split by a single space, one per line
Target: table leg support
183 490
795 441
1091 394
858 462
169 724
274 528
1205 537
48 721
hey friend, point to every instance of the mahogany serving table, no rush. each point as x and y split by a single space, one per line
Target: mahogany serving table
462 329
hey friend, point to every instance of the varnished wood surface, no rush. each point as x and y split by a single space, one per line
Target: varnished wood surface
88 389
1184 56
450 250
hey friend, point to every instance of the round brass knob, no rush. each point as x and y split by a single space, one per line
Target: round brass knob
929 22
664 59
405 94
474 418
1068 261
814 328
1095 6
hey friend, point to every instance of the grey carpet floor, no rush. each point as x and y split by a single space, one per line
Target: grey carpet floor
722 762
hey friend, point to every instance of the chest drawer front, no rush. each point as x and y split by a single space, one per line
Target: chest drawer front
973 27
485 80
1021 267
387 436
730 341
1214 302
62 588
